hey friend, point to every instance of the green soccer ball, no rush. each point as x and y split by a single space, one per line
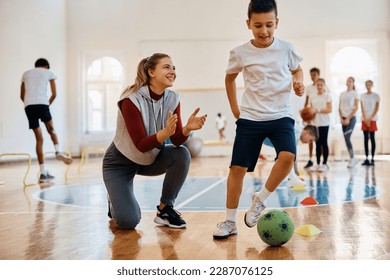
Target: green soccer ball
275 227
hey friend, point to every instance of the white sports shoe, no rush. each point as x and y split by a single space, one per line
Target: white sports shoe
295 181
64 158
225 229
351 163
253 214
323 168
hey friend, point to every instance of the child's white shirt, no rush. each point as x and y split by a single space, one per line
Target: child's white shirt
267 79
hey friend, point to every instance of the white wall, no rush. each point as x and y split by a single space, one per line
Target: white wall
197 34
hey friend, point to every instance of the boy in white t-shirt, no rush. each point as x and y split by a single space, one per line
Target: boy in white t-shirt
370 106
221 124
309 91
270 68
33 92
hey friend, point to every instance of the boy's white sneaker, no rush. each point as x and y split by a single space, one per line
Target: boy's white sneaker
253 214
66 159
225 229
295 181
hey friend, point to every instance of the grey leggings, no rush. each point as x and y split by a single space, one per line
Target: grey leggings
119 173
347 130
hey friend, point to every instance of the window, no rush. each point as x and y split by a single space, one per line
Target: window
103 87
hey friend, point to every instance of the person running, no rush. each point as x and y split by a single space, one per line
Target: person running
33 93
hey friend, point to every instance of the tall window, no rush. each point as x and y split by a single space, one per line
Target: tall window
104 85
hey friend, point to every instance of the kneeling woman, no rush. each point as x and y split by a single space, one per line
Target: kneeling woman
149 114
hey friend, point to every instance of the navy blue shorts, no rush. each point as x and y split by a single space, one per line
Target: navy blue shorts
37 112
251 134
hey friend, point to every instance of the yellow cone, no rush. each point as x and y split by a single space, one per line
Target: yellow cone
307 230
298 188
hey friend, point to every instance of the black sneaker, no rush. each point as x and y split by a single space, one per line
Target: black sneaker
169 217
372 162
308 164
366 162
45 178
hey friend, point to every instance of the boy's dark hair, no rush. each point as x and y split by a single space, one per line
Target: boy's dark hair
262 6
315 69
313 130
42 62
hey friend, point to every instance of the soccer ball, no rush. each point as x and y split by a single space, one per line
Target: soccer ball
275 227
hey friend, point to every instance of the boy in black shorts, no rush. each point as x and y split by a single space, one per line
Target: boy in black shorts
33 92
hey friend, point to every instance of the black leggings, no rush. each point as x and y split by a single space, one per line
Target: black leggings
322 144
369 136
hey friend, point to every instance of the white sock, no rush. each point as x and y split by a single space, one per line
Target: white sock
57 148
231 214
42 168
263 194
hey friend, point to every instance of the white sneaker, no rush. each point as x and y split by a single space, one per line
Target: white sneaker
295 181
323 168
225 229
253 214
351 163
64 158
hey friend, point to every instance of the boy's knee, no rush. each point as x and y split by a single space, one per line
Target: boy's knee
286 157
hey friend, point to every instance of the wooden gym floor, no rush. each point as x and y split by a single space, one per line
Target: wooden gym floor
66 220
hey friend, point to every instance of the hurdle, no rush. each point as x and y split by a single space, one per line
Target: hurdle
88 150
28 165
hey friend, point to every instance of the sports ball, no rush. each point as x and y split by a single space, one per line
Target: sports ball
307 114
194 145
275 227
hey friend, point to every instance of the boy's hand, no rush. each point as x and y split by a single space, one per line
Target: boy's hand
299 88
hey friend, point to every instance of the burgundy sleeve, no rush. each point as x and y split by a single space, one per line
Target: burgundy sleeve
135 127
178 138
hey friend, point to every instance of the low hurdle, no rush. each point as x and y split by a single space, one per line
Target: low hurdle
28 165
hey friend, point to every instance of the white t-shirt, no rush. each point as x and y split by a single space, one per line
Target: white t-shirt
35 82
368 103
320 102
220 122
267 79
347 102
310 90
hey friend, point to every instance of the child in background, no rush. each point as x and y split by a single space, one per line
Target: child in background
321 102
370 106
270 68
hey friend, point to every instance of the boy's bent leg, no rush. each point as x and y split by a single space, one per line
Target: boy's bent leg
280 170
59 156
118 175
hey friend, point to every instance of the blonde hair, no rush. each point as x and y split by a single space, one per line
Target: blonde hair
144 65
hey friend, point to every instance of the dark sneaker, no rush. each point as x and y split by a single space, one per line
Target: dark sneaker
45 178
169 217
372 162
366 162
308 164
66 159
